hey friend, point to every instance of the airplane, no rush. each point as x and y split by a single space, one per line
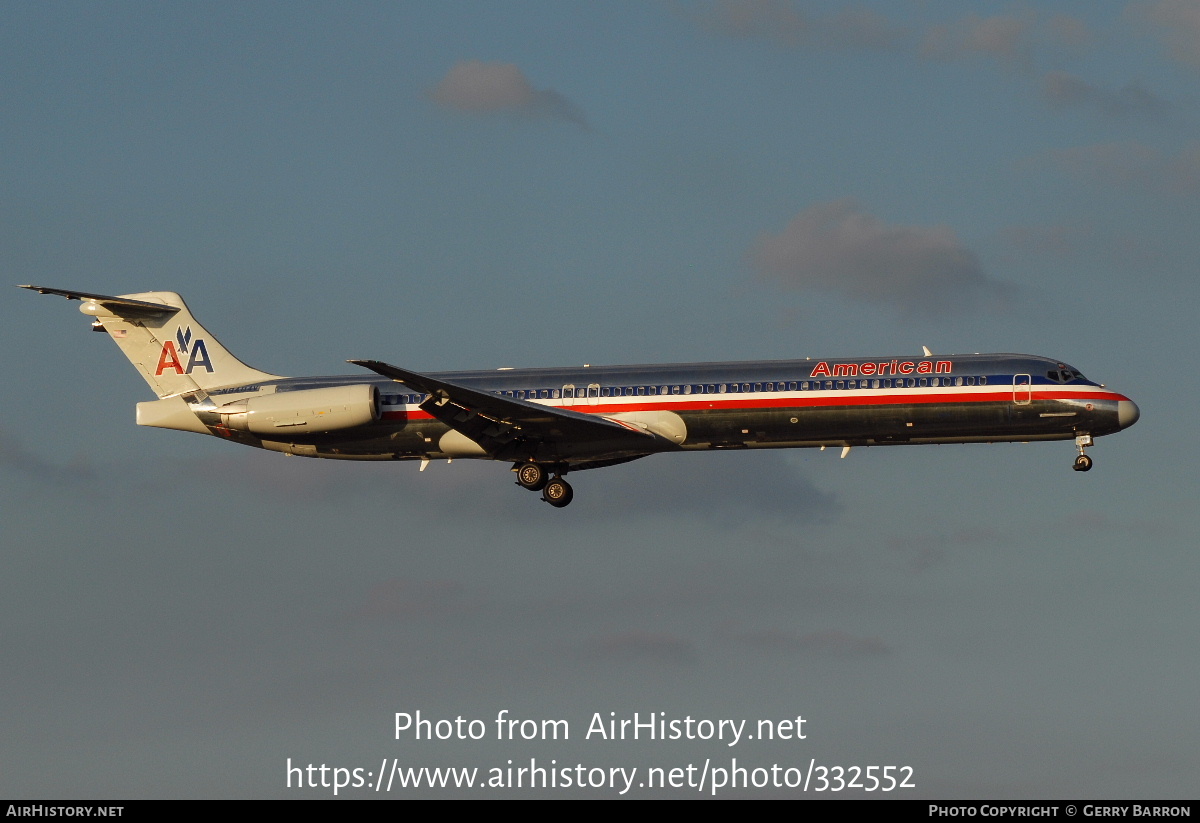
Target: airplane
549 421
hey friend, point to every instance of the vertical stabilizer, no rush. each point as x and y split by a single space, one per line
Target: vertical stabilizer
159 335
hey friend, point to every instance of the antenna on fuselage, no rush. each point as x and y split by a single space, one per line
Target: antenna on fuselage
928 353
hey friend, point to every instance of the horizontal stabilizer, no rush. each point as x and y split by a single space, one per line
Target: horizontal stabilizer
120 306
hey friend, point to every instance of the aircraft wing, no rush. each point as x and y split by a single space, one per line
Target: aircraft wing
507 428
118 305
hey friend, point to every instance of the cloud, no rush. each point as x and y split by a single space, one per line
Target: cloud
921 552
1005 38
837 248
1134 165
14 456
1064 90
476 87
413 598
727 488
1009 40
1063 241
1067 33
828 643
641 647
785 24
1178 23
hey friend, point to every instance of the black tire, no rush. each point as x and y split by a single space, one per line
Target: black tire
1083 463
558 493
532 476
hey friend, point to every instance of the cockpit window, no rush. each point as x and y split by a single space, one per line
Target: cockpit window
1064 374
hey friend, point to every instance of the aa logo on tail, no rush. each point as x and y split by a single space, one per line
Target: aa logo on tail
196 351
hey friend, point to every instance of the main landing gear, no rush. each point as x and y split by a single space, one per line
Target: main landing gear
535 477
532 476
1082 462
558 493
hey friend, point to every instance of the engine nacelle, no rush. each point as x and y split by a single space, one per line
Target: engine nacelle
306 411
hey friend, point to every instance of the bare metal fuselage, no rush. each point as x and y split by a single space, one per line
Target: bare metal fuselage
552 421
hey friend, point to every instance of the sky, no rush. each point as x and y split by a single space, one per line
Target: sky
481 185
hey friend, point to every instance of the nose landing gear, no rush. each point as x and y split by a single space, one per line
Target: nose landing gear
1082 462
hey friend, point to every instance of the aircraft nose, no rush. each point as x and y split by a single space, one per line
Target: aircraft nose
1127 413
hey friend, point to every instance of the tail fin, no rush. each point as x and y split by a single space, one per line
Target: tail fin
159 335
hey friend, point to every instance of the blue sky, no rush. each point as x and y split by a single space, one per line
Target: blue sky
469 185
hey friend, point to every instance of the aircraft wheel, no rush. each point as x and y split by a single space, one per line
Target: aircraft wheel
1082 463
558 493
532 476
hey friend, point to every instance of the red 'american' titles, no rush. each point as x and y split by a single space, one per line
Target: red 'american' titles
823 369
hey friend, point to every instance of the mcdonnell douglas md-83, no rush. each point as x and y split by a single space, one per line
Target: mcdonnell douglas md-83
549 421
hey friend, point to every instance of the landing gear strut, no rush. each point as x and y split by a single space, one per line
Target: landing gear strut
1082 462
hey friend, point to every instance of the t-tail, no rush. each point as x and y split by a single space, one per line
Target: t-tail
165 343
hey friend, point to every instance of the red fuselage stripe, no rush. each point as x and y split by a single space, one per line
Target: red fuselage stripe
793 402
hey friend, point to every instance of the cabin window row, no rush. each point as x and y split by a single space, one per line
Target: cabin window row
594 391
